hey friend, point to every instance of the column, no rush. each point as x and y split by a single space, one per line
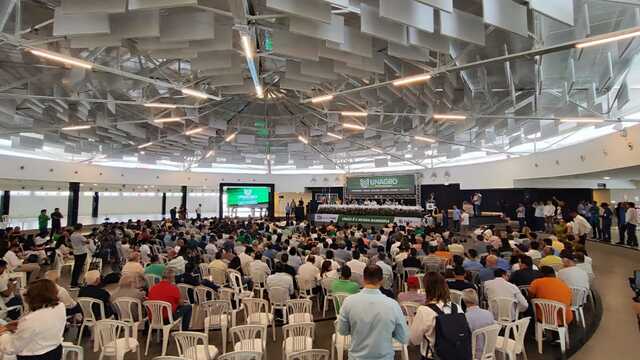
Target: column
95 204
5 202
74 203
164 203
183 203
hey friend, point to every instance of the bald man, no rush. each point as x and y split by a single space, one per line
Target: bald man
488 273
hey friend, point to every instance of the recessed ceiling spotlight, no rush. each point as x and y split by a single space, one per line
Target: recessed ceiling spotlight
607 178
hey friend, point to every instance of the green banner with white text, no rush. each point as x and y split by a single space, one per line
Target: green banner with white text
381 185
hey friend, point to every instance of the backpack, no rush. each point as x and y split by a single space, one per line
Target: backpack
453 336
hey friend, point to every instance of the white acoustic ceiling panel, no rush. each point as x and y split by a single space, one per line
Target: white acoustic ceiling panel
71 7
245 139
174 54
506 15
374 64
84 24
355 42
322 69
295 46
342 68
213 60
311 9
561 10
333 31
431 41
463 26
159 4
381 162
291 84
339 55
294 73
445 5
187 25
235 68
223 40
295 146
407 52
156 44
409 12
372 24
94 41
136 24
226 80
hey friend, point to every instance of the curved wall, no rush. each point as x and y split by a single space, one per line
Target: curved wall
608 152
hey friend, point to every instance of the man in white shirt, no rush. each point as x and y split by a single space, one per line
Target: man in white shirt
16 264
549 211
79 244
582 263
176 262
539 216
500 287
258 268
8 291
145 253
308 271
355 264
199 212
572 275
211 248
387 271
280 279
631 217
71 305
534 251
580 226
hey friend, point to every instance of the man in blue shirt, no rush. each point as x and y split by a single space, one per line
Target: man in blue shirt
373 320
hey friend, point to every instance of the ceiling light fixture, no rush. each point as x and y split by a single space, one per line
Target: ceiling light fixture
605 40
231 136
353 126
303 139
62 59
411 79
422 138
145 145
193 131
246 46
160 105
319 99
209 153
195 93
76 127
449 117
354 113
259 91
582 120
335 135
166 120
377 150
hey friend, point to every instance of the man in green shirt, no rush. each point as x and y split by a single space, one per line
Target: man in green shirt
344 284
155 268
43 221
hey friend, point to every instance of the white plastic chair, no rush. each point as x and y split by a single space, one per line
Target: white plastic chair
204 270
313 354
409 309
151 280
218 317
297 337
278 297
156 311
401 348
168 358
204 294
218 276
487 337
578 300
69 348
456 297
4 310
228 295
235 280
407 273
513 347
338 299
551 315
299 311
305 289
259 279
326 291
504 310
186 293
20 277
241 355
114 339
88 317
249 338
130 311
194 346
256 312
339 343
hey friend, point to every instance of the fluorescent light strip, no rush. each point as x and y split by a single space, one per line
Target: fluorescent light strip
354 113
166 120
335 135
76 127
160 105
449 117
422 138
231 136
607 40
193 131
196 93
62 59
377 150
246 46
209 153
411 79
259 91
353 126
301 138
322 98
145 145
582 120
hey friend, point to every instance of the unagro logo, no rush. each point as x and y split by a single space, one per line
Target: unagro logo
247 192
364 182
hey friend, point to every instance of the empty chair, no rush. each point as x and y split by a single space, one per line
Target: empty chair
159 312
218 317
241 355
235 280
129 310
70 349
551 315
259 279
504 310
513 347
278 297
305 288
339 343
114 339
187 293
578 300
297 337
194 346
313 354
299 311
456 297
204 294
249 338
88 316
483 342
326 292
256 312
228 295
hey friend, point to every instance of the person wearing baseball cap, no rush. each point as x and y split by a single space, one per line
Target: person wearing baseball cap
412 294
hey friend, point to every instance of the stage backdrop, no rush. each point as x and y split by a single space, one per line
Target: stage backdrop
381 185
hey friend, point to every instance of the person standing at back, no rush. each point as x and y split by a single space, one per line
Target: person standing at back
56 221
43 221
79 244
372 319
632 223
621 212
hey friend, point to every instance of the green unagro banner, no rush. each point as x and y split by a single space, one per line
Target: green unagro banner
364 219
390 184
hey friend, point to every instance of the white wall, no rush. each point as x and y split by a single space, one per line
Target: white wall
618 195
30 206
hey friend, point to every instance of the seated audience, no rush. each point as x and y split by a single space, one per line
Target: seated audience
549 258
476 317
71 306
93 289
411 261
549 287
499 287
281 278
167 291
308 271
258 267
570 274
344 284
16 263
525 273
355 264
488 273
412 294
155 267
8 287
472 262
459 283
